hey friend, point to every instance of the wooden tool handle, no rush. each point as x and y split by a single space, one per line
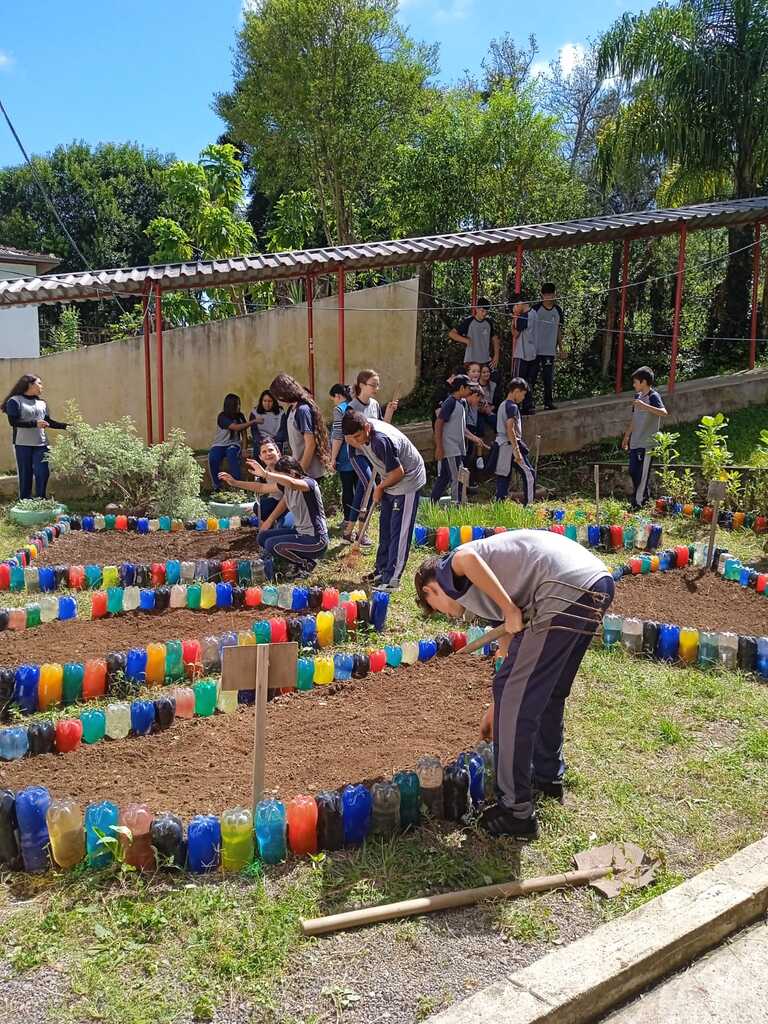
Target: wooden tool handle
448 900
487 638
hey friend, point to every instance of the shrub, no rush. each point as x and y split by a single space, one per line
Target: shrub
112 463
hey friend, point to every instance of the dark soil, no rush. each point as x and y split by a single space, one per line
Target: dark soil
115 546
695 598
78 639
350 732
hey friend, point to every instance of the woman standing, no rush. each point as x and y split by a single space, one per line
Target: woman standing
341 396
266 416
307 433
29 417
228 441
307 540
365 402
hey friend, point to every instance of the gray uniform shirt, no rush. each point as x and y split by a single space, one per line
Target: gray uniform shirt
371 411
30 410
299 423
645 424
480 333
547 327
525 343
508 411
387 449
523 561
307 510
453 413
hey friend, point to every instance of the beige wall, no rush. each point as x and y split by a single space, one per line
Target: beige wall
201 364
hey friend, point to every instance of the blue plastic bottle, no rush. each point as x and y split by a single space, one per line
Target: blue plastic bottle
46 578
761 663
270 830
223 595
454 536
593 536
308 631
99 819
172 571
136 664
142 525
357 805
88 524
394 655
67 607
93 576
427 649
25 688
668 642
612 625
14 743
31 807
142 717
475 765
203 843
342 666
379 608
299 599
419 535
147 600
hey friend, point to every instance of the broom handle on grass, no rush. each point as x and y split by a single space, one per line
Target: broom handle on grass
448 900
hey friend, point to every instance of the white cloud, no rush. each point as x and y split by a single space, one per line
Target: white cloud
6 60
539 67
570 55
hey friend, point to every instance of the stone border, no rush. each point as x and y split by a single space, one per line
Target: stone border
586 979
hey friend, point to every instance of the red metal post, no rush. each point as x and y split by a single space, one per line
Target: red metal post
755 296
342 286
160 375
147 366
622 315
519 268
475 275
310 288
678 304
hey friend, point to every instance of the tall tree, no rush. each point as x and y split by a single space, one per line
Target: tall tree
324 90
698 74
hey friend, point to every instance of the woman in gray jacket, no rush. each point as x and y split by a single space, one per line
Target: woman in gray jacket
29 417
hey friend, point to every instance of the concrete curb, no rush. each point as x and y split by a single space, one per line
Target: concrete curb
583 981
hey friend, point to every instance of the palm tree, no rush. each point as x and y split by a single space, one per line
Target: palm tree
698 80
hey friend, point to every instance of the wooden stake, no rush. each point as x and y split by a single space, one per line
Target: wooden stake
597 494
260 722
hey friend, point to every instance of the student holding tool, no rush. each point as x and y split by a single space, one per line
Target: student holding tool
550 593
512 450
451 434
402 475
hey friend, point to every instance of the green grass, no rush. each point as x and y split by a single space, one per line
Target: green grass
671 758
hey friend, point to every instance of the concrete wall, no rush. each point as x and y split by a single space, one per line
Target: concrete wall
203 363
19 326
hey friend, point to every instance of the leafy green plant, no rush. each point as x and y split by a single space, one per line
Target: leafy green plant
666 452
127 325
713 446
66 334
35 505
110 461
233 497
613 511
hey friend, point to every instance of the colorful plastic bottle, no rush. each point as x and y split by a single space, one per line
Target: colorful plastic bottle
17 618
72 682
146 600
223 595
16 578
632 635
761 663
66 608
50 685
174 660
203 843
689 645
357 807
94 724
385 809
41 736
270 830
94 678
155 664
136 665
410 798
342 666
237 839
118 723
167 836
205 698
10 855
747 657
165 712
207 595
64 819
324 629
98 604
137 848
69 733
226 700
185 701
612 629
49 608
32 806
487 753
475 766
708 648
728 650
110 577
411 651
427 650
178 596
142 717
455 792
211 655
14 743
33 615
26 682
379 609
330 821
301 817
668 642
394 655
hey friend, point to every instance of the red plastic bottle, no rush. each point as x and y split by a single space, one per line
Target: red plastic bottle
706 514
76 577
681 556
617 537
350 607
278 630
121 522
442 538
557 528
158 574
98 604
761 582
253 597
5 577
69 733
499 529
330 598
192 655
635 566
458 640
761 524
661 506
94 679
229 570
378 659
301 816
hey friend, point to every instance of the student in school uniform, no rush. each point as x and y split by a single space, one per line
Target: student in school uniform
402 474
365 402
451 433
647 412
341 460
512 450
503 579
29 417
266 417
524 352
479 336
269 455
307 540
227 444
307 433
548 335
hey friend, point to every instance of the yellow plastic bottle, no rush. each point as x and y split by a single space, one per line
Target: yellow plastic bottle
358 595
323 671
110 576
226 700
246 639
688 648
465 533
155 664
212 524
325 629
237 839
66 832
50 686
207 595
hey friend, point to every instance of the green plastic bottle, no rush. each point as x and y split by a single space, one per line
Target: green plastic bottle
205 698
193 595
33 615
72 685
339 625
94 725
261 631
305 671
114 600
174 660
237 839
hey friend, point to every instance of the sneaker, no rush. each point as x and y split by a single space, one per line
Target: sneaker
499 821
550 407
372 577
549 791
390 587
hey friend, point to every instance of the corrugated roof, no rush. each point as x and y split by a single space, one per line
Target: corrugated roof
42 260
369 255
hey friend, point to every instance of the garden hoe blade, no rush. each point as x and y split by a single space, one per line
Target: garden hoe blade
354 555
628 866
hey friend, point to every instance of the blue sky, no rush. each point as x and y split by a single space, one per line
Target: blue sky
147 71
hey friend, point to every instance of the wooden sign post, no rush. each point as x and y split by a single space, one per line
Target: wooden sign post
259 667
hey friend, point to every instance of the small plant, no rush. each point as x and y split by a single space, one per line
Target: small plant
713 445
37 505
613 511
680 487
233 497
65 336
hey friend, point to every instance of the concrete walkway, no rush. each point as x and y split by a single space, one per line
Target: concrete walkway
727 986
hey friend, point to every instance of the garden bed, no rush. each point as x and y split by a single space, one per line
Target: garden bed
356 731
693 597
111 547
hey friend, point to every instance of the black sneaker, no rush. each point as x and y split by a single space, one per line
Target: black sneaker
499 821
549 790
372 577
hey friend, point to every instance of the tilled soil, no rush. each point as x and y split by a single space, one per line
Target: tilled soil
115 546
79 639
350 732
695 598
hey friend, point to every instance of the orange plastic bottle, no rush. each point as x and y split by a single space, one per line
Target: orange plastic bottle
95 679
138 849
49 688
155 664
301 815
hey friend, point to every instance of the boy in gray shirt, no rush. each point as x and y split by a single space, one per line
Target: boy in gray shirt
451 435
549 321
647 411
505 578
478 333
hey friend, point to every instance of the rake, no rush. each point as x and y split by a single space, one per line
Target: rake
355 553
